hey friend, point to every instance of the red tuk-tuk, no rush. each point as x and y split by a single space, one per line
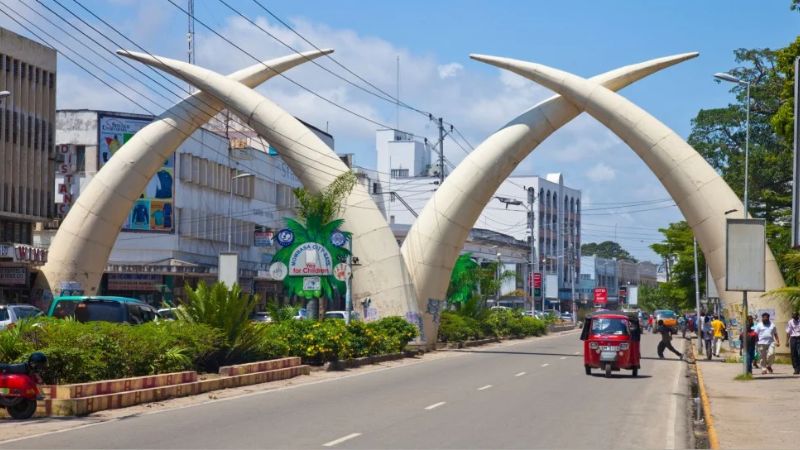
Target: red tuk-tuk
611 342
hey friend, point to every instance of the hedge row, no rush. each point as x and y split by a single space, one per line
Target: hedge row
81 352
496 323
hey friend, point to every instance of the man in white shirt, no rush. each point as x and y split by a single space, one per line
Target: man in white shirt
767 341
793 340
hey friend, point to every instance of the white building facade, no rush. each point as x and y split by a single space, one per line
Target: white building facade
407 179
190 210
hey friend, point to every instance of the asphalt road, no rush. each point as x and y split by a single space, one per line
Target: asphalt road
530 395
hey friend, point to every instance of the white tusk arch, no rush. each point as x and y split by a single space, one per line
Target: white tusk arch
437 236
701 194
382 276
81 247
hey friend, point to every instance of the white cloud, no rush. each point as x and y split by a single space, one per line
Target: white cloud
450 70
601 172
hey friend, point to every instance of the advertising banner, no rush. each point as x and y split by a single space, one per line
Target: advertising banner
154 210
264 237
745 251
134 282
13 276
600 296
551 286
310 258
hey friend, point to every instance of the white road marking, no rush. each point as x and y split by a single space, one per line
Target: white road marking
673 411
563 357
520 374
577 353
435 405
341 439
545 365
484 387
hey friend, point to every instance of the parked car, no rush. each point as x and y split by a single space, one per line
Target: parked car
302 313
342 315
102 308
166 314
260 316
10 314
566 316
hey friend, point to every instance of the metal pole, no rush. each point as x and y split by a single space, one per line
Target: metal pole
697 295
230 212
746 210
441 152
796 148
348 296
572 282
747 152
534 269
497 292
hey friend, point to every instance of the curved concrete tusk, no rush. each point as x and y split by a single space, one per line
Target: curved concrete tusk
699 191
437 236
382 276
81 247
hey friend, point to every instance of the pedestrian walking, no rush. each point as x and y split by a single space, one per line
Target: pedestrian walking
682 325
793 339
666 341
752 337
707 334
718 328
767 341
650 322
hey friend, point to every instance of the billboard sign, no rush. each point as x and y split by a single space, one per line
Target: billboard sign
600 296
551 286
310 259
155 208
746 248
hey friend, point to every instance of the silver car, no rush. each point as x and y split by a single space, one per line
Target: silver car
14 313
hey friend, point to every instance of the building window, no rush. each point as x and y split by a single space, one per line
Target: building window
399 173
80 158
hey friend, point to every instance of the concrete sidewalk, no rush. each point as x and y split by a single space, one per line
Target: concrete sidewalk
757 414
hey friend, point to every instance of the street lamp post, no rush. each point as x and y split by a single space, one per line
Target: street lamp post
534 257
731 79
230 205
497 273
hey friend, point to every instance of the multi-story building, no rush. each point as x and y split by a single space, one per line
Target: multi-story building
27 159
406 180
180 224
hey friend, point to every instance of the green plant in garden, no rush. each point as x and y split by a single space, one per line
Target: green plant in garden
227 310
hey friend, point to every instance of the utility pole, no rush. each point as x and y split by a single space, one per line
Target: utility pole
697 296
190 37
441 152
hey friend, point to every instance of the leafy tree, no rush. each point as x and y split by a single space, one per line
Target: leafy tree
677 250
606 249
791 292
783 120
719 135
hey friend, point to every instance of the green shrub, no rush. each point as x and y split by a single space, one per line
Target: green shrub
456 328
397 331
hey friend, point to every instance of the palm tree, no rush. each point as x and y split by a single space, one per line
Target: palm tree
791 261
317 214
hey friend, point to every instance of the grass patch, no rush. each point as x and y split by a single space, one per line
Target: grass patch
743 377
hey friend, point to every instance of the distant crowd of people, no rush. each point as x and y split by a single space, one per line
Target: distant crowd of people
757 342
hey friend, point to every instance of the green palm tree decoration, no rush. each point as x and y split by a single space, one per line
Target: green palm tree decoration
463 282
318 213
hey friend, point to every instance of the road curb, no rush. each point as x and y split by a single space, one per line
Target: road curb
713 440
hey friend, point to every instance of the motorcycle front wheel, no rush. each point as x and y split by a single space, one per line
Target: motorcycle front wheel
22 410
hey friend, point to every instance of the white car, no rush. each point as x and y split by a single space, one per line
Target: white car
10 314
341 315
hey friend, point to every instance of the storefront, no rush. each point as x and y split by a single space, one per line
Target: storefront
18 264
155 284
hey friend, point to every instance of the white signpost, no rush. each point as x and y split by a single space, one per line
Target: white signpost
746 247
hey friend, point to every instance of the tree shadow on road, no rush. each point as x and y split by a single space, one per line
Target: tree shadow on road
571 355
620 375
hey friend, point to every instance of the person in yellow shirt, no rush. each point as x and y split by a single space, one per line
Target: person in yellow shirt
718 328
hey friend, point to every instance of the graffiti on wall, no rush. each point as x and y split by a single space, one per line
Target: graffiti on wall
415 319
434 308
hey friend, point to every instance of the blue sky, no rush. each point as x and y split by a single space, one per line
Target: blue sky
433 41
